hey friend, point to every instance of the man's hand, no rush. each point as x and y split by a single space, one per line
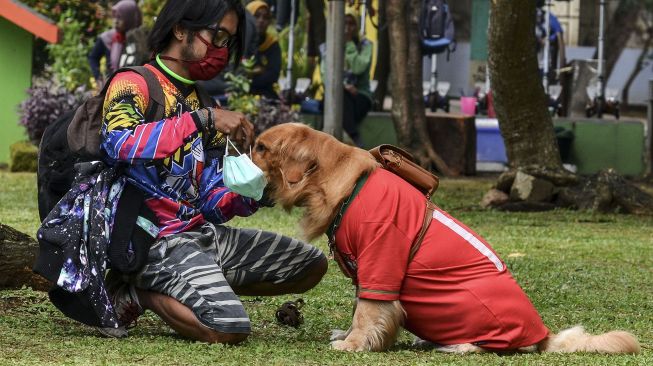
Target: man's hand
235 125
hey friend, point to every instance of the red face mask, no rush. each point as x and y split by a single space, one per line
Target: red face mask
213 62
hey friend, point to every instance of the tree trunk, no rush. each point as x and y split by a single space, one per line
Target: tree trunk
527 129
382 70
408 112
17 255
519 99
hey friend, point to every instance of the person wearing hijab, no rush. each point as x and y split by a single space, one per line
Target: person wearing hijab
267 66
126 16
358 61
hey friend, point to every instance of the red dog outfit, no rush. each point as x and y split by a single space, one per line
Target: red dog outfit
455 290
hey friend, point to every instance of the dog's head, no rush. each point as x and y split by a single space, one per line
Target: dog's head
309 168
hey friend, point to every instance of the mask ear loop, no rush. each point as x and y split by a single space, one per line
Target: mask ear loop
226 147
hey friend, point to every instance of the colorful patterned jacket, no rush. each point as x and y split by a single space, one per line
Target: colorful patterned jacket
176 161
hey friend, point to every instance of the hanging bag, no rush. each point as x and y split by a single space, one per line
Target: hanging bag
401 163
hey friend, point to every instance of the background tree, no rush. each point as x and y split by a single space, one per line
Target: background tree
527 129
382 70
519 99
408 112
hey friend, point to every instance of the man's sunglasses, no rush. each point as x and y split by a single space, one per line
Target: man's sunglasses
221 37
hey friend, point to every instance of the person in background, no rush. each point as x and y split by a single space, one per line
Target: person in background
198 266
267 66
357 94
557 56
109 45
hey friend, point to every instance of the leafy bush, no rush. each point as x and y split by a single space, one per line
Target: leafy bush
271 113
47 100
239 98
70 56
264 113
150 10
92 15
300 66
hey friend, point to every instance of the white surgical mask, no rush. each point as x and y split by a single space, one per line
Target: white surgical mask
241 175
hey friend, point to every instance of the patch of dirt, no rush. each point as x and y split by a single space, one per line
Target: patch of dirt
15 301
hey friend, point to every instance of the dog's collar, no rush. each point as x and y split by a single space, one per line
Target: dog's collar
331 231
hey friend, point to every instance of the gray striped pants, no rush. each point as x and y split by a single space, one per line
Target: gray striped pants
199 268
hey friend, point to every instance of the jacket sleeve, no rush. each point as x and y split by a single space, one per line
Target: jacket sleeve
127 137
358 61
218 203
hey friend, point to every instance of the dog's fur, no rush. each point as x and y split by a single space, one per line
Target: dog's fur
311 169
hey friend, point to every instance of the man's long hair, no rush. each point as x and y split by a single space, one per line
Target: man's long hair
196 15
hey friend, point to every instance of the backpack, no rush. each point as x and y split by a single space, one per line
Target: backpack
436 27
75 138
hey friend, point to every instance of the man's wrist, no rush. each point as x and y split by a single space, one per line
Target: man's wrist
204 121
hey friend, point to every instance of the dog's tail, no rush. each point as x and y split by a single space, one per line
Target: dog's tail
577 340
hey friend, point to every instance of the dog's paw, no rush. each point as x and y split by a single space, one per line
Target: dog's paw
345 346
338 335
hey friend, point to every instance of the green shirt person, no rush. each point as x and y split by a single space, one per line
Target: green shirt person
358 61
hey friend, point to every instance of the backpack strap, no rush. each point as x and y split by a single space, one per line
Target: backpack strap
205 99
127 234
156 104
428 216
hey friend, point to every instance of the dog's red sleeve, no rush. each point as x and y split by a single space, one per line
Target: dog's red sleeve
381 254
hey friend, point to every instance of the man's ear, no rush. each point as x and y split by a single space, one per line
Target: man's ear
178 32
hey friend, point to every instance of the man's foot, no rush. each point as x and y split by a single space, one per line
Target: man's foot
127 307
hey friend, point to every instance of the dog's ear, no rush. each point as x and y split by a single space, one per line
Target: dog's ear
294 171
299 161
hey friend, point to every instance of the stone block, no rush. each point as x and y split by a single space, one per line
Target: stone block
528 188
494 198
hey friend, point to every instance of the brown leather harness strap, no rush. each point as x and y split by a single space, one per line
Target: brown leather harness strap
428 216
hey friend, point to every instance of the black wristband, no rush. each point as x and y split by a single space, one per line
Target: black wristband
203 119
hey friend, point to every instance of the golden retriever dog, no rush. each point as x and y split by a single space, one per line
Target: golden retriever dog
454 293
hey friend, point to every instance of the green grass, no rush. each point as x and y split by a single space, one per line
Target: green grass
577 268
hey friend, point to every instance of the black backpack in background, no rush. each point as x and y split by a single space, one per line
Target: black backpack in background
75 138
436 27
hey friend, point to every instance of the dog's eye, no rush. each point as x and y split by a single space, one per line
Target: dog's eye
260 148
